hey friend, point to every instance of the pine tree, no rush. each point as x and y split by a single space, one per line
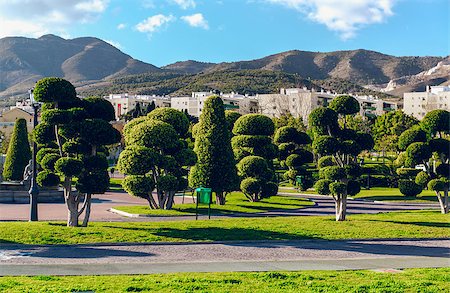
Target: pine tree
18 154
215 166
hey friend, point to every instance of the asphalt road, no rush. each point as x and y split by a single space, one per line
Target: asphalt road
222 256
102 203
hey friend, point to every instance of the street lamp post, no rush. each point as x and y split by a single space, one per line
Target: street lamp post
34 189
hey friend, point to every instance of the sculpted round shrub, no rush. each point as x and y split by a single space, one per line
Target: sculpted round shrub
49 160
443 170
98 162
171 116
94 182
322 120
43 151
322 186
252 166
138 185
153 134
325 161
407 172
436 121
436 185
409 188
231 117
269 189
422 178
334 173
131 124
99 108
54 89
409 136
47 178
69 166
353 187
251 141
167 182
345 105
325 145
353 170
251 186
254 124
137 160
337 188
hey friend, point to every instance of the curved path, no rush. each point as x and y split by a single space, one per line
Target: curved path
103 259
324 206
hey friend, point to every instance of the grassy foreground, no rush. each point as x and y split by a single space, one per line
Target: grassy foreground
236 203
410 280
423 224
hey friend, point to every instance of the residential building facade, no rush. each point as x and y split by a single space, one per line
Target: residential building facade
418 104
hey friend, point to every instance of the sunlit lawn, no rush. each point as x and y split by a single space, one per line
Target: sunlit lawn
409 280
422 224
236 203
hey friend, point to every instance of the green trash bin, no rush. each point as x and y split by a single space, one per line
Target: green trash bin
299 180
203 195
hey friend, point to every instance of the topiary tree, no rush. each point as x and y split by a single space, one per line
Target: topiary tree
231 117
257 178
72 136
156 156
18 154
338 169
253 139
291 154
215 167
426 146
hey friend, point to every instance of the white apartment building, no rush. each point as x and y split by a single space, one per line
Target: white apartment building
418 104
299 102
233 101
123 103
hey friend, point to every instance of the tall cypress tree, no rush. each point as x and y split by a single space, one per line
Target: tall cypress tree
19 153
216 167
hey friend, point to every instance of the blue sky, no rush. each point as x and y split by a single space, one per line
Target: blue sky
164 31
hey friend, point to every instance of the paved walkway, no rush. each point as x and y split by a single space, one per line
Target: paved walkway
102 203
225 256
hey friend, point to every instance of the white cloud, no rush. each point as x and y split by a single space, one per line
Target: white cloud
185 4
196 20
153 23
345 17
37 17
121 26
115 44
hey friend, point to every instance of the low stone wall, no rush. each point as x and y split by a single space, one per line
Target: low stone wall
22 196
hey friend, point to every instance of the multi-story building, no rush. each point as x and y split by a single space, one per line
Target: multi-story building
299 102
418 104
233 101
123 103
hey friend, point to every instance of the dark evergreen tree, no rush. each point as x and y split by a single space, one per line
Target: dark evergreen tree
215 166
18 154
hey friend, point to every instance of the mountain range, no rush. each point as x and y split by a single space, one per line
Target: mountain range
95 66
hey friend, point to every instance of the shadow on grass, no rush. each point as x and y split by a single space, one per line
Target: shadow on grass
422 224
429 198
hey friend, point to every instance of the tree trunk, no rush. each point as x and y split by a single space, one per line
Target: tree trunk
341 208
87 211
169 202
151 202
220 198
160 196
443 201
72 211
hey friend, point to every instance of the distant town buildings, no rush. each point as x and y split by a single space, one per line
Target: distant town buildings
298 102
8 119
418 104
123 103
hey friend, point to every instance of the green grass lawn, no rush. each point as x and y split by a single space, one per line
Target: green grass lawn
409 280
393 194
115 184
380 194
422 224
236 203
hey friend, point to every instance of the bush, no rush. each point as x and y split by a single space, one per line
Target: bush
436 121
409 136
69 166
353 187
334 173
251 186
94 182
436 185
325 145
99 108
325 161
422 179
269 189
49 160
177 119
254 124
54 89
345 105
306 183
251 141
167 183
253 166
18 154
407 172
43 151
353 170
323 119
137 185
443 170
153 134
338 188
418 152
322 186
47 178
409 188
